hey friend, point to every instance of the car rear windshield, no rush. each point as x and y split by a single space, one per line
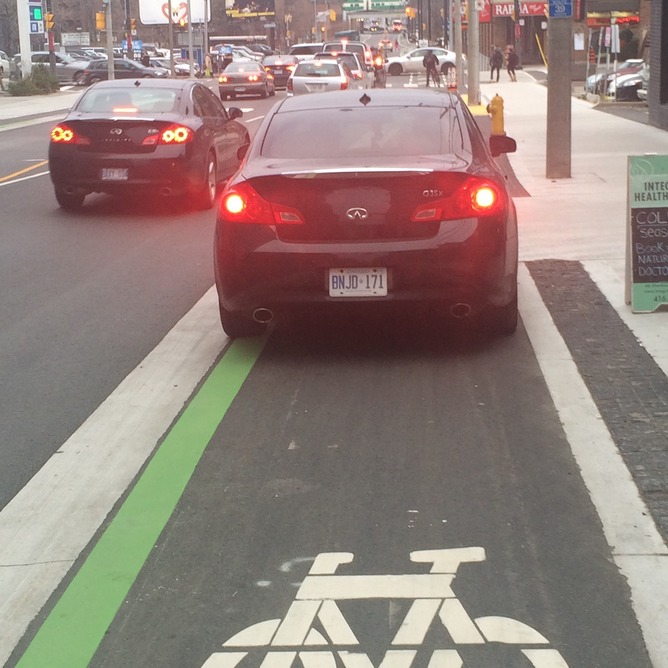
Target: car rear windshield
143 100
314 68
380 131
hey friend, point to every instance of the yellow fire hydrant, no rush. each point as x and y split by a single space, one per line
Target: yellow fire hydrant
495 110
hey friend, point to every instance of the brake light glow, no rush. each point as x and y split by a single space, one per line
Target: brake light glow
174 134
64 134
223 79
253 77
474 197
242 204
344 83
124 110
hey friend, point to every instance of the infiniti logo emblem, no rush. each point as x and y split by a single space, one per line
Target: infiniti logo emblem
357 213
116 131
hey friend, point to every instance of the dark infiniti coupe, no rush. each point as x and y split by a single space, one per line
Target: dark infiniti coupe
368 196
146 136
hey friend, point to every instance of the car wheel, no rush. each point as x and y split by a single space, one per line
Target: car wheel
70 201
502 320
273 91
395 69
265 93
238 325
78 76
94 80
207 195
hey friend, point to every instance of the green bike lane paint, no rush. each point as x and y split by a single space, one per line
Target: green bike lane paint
72 631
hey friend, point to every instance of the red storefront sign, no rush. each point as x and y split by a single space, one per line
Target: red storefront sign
507 9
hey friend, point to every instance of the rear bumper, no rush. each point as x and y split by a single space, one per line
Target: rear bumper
175 170
254 269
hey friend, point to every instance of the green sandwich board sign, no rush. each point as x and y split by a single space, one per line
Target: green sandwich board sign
647 233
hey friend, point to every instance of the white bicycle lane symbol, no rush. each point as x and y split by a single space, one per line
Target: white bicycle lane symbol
294 639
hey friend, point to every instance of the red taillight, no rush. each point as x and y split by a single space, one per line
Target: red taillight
174 134
223 79
290 85
242 204
291 68
344 83
474 197
253 77
64 134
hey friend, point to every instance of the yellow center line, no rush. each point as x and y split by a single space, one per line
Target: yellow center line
37 165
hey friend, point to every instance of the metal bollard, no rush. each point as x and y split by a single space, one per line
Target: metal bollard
495 110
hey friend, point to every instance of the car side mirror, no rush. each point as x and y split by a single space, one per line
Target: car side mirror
499 144
235 112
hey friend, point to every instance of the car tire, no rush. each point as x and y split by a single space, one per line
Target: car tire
265 93
94 80
502 320
273 92
237 325
70 201
395 69
206 197
78 76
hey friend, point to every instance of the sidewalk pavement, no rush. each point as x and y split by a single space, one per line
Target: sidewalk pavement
15 109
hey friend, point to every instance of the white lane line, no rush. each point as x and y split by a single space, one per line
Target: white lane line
636 545
50 521
23 178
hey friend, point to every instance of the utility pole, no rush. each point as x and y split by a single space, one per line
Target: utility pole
559 38
191 55
110 40
128 30
473 57
459 60
49 28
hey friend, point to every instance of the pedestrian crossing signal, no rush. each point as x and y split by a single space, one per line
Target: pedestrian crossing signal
100 21
50 20
36 13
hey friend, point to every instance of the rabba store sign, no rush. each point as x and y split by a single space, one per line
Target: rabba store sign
506 9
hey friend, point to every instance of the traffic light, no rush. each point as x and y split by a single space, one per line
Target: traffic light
332 15
133 26
100 21
49 20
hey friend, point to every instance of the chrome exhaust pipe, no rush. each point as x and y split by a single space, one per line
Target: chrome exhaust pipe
460 310
263 315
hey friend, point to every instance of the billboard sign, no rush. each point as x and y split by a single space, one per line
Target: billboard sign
250 9
157 12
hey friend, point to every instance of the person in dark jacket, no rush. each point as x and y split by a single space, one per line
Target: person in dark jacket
512 61
430 63
495 62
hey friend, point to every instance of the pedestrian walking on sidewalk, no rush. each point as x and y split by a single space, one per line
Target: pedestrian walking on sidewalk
2 74
430 63
512 61
495 62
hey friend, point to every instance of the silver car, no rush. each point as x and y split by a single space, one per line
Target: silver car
320 76
411 62
361 71
68 69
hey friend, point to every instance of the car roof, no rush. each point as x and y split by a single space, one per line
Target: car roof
385 97
133 82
